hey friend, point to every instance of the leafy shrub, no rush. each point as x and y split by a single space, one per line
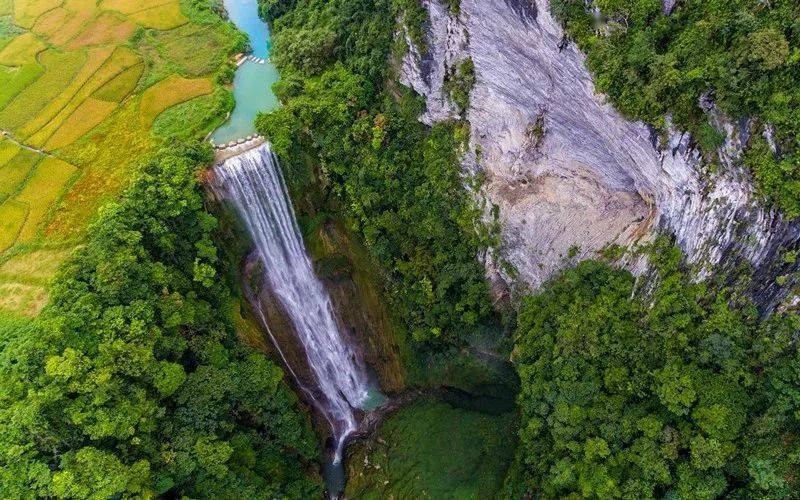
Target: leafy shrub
459 83
778 179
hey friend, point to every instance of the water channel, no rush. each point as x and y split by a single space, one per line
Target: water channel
252 83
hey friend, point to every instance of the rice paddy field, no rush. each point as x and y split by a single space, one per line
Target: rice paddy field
87 88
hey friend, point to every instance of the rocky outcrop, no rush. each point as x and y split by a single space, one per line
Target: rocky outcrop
425 70
569 174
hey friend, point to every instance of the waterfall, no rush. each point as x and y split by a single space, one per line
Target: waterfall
253 183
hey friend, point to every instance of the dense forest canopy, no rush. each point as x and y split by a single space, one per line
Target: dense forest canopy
679 392
397 181
132 382
625 392
743 55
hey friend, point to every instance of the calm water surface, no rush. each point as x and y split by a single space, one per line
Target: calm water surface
252 84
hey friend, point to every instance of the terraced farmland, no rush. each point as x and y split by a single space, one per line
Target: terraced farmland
81 84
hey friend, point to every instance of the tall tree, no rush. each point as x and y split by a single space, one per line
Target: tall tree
684 393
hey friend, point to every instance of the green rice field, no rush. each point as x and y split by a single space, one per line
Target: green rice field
82 83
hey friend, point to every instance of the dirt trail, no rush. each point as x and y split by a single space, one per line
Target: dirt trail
5 134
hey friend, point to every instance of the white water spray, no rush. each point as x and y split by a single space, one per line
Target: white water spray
254 184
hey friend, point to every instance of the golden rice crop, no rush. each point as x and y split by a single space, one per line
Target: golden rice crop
46 123
15 170
26 12
12 218
50 22
109 153
121 86
8 150
169 92
129 7
80 5
95 60
162 17
106 29
14 80
89 114
22 50
62 98
41 191
59 26
60 71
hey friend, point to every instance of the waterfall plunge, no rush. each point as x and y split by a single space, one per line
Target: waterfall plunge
254 184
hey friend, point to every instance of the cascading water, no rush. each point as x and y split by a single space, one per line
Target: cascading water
254 184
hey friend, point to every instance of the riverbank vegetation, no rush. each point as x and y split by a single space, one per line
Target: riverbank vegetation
744 55
677 391
131 383
81 83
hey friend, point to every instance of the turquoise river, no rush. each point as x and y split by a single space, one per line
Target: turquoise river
252 84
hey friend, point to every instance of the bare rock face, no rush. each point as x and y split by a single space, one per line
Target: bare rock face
569 174
426 72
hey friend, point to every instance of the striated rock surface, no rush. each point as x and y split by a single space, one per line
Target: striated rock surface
426 73
569 174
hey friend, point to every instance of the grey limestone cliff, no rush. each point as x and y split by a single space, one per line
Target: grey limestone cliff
569 172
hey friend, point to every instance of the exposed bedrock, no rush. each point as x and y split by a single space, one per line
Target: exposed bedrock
568 172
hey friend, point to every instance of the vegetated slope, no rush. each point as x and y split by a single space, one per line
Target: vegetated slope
131 383
346 126
679 391
74 120
744 55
